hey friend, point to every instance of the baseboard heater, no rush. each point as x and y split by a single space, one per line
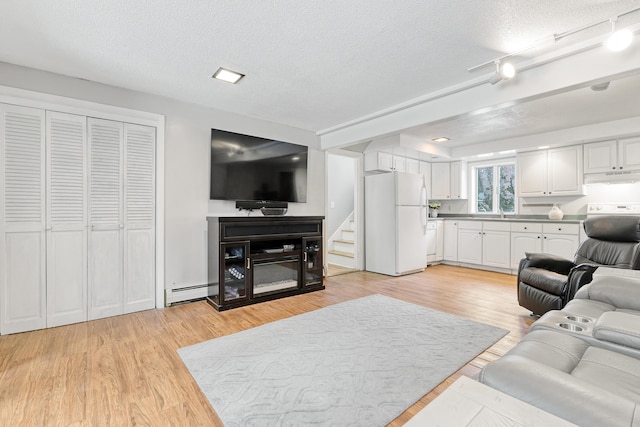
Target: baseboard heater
185 293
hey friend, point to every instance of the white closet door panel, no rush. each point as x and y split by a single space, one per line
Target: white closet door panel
66 219
23 167
22 240
139 271
105 217
23 299
105 274
105 141
66 277
139 207
140 144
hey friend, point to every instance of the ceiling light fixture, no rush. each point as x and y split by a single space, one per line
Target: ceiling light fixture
440 139
543 147
485 155
618 40
507 152
504 71
227 75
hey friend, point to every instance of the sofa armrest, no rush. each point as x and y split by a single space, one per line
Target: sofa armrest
558 392
579 276
619 328
621 292
549 262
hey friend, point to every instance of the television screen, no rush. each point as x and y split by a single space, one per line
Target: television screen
245 167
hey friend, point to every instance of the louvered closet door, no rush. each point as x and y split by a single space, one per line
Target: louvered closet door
22 200
106 292
139 225
66 219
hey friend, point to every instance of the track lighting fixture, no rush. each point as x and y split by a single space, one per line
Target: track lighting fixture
504 71
617 41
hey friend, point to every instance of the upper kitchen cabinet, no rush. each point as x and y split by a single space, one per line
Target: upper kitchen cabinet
448 181
612 156
378 161
554 172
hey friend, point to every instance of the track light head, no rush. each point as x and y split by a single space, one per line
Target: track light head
504 71
618 40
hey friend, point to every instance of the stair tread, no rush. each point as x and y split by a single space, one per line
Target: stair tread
341 253
343 241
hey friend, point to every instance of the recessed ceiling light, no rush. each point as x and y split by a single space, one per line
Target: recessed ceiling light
485 155
227 75
543 147
440 139
507 152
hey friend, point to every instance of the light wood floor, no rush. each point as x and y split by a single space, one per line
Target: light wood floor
125 370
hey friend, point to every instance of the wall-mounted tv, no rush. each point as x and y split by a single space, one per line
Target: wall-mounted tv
245 167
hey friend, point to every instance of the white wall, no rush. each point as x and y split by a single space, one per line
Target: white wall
187 139
341 175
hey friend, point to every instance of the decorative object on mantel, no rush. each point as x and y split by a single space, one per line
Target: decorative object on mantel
555 213
433 208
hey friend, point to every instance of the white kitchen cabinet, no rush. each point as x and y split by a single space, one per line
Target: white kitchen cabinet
484 243
412 165
440 181
629 153
378 161
525 238
560 239
449 181
399 164
470 242
450 237
554 172
552 238
612 156
495 244
22 219
435 241
432 241
440 241
458 180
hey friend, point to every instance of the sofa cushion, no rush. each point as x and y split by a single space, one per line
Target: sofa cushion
614 372
545 280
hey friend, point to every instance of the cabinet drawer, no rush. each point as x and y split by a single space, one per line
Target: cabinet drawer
558 228
470 225
495 226
526 227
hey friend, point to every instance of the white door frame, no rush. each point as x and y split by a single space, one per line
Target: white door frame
358 200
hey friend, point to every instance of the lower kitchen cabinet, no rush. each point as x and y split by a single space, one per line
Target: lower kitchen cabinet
484 243
552 238
450 237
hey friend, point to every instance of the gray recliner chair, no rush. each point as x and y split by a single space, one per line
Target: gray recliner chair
547 282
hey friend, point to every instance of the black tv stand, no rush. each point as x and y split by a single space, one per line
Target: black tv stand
256 259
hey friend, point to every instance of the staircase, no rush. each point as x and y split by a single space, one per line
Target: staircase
342 245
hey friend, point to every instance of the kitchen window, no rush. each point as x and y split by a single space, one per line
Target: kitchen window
493 188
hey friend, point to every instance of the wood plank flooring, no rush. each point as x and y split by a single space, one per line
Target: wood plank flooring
125 370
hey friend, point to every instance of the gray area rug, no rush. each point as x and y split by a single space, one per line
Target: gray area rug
361 362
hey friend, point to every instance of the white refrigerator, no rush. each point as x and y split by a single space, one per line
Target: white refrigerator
395 223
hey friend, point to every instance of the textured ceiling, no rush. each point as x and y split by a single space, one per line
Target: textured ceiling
309 64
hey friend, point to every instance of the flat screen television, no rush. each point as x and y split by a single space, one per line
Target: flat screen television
245 167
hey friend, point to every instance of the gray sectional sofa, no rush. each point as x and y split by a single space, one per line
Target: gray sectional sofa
581 363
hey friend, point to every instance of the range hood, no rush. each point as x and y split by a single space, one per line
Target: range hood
613 177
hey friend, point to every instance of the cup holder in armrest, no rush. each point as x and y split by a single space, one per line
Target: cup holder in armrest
579 319
571 327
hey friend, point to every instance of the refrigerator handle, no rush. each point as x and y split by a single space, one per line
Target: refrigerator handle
423 211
